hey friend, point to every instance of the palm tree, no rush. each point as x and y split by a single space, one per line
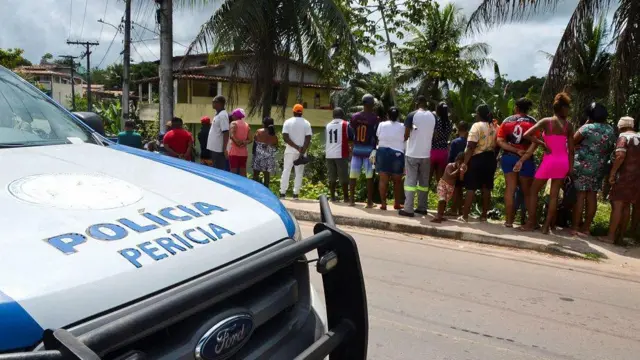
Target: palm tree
625 30
463 101
590 67
435 55
377 84
266 31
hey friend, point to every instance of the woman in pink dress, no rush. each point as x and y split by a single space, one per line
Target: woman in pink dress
240 136
557 162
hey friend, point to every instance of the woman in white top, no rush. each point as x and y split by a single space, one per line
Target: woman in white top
390 158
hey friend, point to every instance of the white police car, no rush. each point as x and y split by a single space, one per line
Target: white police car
108 252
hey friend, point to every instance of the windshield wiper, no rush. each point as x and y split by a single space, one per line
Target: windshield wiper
31 143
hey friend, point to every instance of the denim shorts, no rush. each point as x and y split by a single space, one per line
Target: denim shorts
508 161
389 161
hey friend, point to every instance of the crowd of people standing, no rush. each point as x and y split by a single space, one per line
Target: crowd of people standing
409 153
412 152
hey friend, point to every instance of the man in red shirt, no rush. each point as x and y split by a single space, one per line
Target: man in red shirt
514 146
178 141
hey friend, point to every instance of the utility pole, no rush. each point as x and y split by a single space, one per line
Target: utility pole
73 79
165 18
126 63
87 53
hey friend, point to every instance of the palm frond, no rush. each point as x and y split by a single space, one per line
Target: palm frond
492 13
627 58
546 54
560 70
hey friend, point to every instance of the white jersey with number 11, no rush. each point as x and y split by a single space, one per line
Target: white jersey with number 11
337 139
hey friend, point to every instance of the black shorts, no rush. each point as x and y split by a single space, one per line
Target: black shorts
481 171
218 159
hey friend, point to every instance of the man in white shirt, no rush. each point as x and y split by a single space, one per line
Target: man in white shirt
296 133
418 132
219 134
338 133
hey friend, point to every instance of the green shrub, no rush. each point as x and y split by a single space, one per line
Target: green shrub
600 225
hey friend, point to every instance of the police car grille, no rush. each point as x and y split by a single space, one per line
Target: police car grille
279 303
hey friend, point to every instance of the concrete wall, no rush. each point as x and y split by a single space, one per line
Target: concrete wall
62 93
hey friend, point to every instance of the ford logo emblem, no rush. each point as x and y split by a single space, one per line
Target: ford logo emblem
225 338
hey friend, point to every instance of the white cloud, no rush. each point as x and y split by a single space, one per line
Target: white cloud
41 26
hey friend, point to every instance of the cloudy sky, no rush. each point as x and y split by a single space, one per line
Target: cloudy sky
41 26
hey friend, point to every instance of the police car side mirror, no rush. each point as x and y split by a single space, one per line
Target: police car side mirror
92 120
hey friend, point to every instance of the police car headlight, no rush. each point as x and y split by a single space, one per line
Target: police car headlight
297 235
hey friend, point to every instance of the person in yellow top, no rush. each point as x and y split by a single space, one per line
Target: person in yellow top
480 161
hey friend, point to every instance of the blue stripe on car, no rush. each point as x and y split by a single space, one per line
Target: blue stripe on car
240 184
17 328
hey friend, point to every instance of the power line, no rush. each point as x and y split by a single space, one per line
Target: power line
109 48
86 2
155 32
139 9
70 17
136 50
143 42
103 16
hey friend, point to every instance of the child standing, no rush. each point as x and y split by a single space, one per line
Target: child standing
446 186
457 147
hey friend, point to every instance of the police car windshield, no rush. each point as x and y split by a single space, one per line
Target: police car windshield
29 118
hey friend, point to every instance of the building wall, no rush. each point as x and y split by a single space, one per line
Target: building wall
62 93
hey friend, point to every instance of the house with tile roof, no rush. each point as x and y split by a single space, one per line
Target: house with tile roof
54 79
196 81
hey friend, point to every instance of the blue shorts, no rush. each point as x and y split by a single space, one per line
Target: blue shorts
357 163
361 150
508 161
389 161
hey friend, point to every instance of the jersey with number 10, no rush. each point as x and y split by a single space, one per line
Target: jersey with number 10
364 125
337 139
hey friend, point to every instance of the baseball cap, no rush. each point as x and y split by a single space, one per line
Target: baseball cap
297 108
368 99
205 120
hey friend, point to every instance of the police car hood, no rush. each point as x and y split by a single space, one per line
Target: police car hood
87 228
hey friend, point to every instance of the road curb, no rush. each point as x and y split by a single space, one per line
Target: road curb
314 216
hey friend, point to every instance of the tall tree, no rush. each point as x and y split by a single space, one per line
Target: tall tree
266 31
626 32
46 58
12 58
377 84
384 20
435 54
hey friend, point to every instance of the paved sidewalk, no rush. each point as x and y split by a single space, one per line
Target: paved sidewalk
560 242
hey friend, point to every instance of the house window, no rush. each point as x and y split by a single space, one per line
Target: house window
213 89
316 101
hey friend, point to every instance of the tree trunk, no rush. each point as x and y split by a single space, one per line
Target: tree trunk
390 50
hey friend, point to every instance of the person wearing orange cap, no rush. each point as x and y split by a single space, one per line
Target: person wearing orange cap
296 133
203 137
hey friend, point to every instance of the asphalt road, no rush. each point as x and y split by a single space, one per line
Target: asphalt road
439 299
